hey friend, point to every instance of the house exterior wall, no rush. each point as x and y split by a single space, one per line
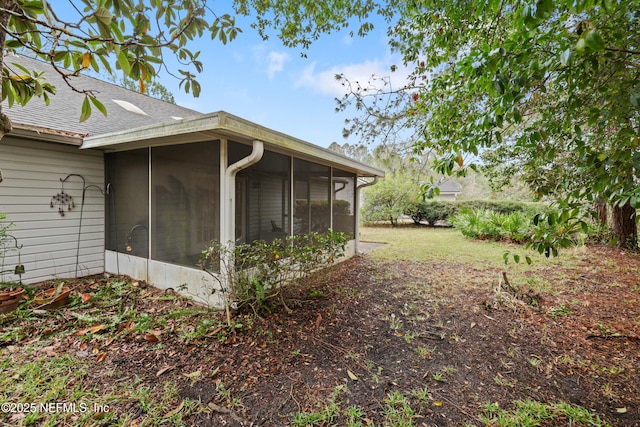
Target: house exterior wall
189 281
447 196
265 204
32 176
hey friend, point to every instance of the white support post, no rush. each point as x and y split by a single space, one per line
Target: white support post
357 211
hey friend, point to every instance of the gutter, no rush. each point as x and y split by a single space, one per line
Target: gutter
45 134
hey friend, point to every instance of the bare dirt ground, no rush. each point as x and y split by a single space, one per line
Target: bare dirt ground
365 330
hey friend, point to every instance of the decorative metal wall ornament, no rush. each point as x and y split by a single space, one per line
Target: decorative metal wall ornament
63 201
19 270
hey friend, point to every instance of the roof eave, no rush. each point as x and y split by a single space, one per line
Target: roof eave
223 125
20 130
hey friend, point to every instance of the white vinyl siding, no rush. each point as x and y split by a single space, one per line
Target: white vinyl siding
32 173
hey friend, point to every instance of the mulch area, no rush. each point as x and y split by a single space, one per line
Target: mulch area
377 328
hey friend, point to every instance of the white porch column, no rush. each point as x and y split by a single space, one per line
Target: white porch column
357 211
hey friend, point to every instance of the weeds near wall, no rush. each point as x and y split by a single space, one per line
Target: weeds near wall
252 276
4 248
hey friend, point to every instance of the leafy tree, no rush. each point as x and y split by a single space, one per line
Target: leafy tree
390 198
137 37
549 89
359 152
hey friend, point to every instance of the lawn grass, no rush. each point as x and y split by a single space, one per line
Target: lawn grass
40 369
429 244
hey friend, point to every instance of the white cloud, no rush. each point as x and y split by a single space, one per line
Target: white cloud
325 81
347 40
238 56
276 62
270 60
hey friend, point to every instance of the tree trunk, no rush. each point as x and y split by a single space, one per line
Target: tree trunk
600 208
5 123
623 222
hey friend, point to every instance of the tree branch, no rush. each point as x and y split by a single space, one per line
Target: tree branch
629 51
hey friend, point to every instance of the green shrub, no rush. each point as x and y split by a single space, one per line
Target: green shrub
484 224
388 199
554 230
517 227
253 275
491 227
432 211
479 223
468 222
5 244
545 232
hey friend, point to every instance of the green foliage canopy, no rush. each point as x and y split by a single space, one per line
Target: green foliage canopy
554 79
389 198
137 38
549 88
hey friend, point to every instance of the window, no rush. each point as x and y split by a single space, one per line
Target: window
262 197
185 210
127 205
344 197
312 204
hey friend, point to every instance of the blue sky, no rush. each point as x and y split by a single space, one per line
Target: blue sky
274 86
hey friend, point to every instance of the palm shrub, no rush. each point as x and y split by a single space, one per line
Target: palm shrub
517 227
491 225
468 221
544 232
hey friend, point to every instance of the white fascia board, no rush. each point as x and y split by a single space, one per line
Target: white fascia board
45 134
224 125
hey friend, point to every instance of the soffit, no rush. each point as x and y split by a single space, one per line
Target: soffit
222 125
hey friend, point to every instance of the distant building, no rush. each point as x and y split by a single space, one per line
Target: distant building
449 190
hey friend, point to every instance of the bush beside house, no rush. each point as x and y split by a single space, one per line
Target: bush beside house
439 212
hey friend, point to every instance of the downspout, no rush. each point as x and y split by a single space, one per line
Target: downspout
228 229
228 206
357 230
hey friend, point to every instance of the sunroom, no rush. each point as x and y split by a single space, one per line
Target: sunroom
174 188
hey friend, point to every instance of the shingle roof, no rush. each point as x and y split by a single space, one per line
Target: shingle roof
448 187
63 112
